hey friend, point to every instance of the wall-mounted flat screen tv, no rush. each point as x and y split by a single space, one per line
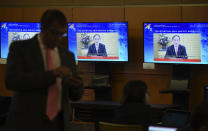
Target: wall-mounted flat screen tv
181 43
102 41
14 31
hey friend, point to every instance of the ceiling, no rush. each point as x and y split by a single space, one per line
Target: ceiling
99 3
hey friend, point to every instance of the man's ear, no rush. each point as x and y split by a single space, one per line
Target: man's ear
203 128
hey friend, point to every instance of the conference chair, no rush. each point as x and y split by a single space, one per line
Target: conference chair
104 126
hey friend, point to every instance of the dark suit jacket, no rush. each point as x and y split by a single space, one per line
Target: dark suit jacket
101 50
133 113
170 53
26 76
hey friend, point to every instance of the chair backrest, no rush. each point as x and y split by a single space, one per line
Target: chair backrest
104 126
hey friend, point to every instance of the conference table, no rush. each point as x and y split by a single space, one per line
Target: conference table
94 111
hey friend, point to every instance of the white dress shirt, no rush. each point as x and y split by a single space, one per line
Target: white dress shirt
97 47
176 50
57 63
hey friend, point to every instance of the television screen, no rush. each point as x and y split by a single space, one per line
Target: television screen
176 43
161 128
103 41
14 31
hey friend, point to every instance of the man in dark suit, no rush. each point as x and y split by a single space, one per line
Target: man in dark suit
97 49
176 50
42 75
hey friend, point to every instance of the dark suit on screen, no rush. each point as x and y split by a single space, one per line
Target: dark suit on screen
26 76
101 50
170 53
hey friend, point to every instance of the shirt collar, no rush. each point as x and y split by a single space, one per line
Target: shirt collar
42 46
97 45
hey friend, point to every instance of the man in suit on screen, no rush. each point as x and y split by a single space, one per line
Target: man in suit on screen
42 75
97 48
176 50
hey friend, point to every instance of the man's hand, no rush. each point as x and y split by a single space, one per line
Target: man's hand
75 86
74 81
62 72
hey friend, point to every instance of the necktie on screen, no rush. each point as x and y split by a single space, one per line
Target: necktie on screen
176 51
52 101
96 47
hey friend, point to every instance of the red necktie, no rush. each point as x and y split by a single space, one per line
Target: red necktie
52 102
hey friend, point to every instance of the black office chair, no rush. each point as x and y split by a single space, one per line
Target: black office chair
105 126
5 102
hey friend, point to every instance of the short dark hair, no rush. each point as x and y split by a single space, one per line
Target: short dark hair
134 91
50 16
199 117
176 36
96 35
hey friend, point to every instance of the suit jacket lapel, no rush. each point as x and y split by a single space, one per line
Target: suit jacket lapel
62 56
66 58
179 50
99 48
36 53
173 50
94 49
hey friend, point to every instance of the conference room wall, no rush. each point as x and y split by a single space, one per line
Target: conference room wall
8 14
199 73
157 79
